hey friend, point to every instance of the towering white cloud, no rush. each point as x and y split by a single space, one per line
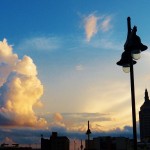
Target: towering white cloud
20 89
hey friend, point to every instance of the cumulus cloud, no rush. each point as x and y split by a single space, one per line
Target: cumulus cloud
20 89
56 123
94 24
58 117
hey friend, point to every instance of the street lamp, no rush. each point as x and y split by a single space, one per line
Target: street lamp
132 49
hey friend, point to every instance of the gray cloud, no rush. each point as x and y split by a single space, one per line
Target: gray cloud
40 43
84 117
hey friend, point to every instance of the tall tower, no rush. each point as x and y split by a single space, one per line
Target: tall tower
88 132
144 118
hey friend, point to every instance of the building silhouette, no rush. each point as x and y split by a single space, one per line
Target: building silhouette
55 142
108 143
5 146
144 119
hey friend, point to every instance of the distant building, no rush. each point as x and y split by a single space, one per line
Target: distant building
89 145
5 146
55 142
108 143
144 119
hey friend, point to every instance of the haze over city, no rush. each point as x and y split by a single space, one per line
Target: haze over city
58 68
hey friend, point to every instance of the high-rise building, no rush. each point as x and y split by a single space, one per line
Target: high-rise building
55 142
144 119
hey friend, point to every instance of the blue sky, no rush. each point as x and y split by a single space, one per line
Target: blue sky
68 49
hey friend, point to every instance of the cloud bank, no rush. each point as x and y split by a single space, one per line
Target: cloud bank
20 89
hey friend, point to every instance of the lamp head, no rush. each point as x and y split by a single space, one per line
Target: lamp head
133 43
125 59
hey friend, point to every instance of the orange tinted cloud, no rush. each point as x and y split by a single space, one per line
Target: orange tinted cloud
20 89
93 24
90 26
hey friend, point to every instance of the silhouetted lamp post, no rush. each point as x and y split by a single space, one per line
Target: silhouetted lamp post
74 145
81 145
132 49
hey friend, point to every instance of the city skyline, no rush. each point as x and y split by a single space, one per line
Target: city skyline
58 67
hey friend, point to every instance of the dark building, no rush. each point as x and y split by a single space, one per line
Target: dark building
89 145
55 142
144 119
108 143
13 147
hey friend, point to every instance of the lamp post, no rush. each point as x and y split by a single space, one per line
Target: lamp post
81 145
132 49
74 145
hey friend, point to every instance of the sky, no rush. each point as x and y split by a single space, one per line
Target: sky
58 68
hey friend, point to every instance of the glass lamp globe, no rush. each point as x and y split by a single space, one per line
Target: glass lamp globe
126 69
136 56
